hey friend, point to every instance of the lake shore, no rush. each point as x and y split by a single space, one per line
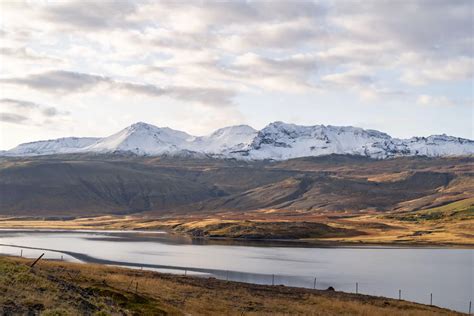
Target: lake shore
363 230
62 288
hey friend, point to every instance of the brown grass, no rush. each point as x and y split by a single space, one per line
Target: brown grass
454 227
58 288
449 224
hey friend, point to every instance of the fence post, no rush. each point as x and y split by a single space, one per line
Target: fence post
21 253
357 288
36 261
314 285
273 279
399 295
470 303
431 299
185 272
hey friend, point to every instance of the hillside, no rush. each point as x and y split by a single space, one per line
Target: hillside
85 185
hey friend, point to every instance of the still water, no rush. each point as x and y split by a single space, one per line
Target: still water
447 273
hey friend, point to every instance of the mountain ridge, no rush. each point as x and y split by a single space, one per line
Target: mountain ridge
276 141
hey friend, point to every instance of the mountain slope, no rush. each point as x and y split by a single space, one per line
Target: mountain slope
325 193
91 187
438 145
285 141
276 141
83 185
225 140
280 141
141 139
51 147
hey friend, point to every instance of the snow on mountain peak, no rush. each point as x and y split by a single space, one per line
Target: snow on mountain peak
141 139
141 125
277 141
225 140
280 140
234 130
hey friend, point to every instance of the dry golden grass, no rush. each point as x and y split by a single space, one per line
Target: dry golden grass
390 177
450 224
58 288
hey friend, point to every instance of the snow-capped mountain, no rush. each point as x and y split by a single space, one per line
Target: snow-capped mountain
53 146
438 145
277 141
141 139
281 141
225 140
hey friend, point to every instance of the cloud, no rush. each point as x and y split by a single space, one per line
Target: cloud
349 78
13 118
27 112
428 71
91 15
23 105
429 100
290 74
68 82
58 81
209 51
437 26
25 53
18 103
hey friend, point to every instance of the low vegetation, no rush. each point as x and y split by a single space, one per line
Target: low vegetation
262 229
460 210
451 224
59 288
332 199
85 185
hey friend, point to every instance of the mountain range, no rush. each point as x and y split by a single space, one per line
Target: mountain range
276 141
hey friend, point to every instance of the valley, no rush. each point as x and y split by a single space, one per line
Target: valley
333 199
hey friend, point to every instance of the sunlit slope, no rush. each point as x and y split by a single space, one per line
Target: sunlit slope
82 185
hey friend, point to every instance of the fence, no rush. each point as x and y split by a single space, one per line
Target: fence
317 283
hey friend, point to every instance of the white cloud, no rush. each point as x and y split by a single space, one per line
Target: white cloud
429 100
67 82
213 52
26 112
428 71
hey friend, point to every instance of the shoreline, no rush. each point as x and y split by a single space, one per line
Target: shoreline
305 243
215 286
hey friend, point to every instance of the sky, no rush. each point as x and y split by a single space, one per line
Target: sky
91 68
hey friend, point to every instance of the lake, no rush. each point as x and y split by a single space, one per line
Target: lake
447 273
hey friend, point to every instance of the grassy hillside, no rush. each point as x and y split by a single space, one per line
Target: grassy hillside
82 185
59 288
330 193
69 187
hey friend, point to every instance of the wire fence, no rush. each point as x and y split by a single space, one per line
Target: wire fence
316 283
